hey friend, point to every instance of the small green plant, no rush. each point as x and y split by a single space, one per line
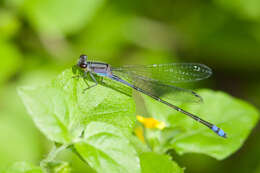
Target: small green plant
98 127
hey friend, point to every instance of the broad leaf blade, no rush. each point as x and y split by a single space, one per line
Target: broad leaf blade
106 149
235 117
48 110
157 163
61 111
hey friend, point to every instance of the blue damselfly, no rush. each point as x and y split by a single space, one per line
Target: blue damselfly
152 80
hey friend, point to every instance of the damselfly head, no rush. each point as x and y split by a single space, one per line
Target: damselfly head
82 63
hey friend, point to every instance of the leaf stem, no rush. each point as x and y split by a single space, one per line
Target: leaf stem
51 156
74 150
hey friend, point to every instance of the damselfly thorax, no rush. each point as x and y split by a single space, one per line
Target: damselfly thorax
99 68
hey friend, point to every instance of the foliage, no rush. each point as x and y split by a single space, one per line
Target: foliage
193 137
98 125
38 39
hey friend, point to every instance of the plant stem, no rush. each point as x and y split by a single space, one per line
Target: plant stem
51 156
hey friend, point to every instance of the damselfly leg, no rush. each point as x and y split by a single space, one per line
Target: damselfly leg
91 86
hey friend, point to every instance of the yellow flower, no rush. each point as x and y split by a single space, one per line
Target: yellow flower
139 133
151 122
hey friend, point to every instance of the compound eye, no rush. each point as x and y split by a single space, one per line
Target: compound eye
83 57
83 65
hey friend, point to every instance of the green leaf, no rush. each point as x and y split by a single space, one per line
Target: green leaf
106 149
140 147
157 163
235 117
23 167
61 111
52 15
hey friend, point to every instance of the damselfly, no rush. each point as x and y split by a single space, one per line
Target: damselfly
153 80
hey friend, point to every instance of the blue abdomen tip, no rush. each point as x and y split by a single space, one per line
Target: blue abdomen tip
219 131
214 128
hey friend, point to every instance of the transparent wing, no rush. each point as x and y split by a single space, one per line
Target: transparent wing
167 73
169 93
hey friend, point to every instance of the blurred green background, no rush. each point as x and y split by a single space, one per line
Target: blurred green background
40 38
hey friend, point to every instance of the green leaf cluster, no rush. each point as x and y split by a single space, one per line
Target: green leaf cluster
98 126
